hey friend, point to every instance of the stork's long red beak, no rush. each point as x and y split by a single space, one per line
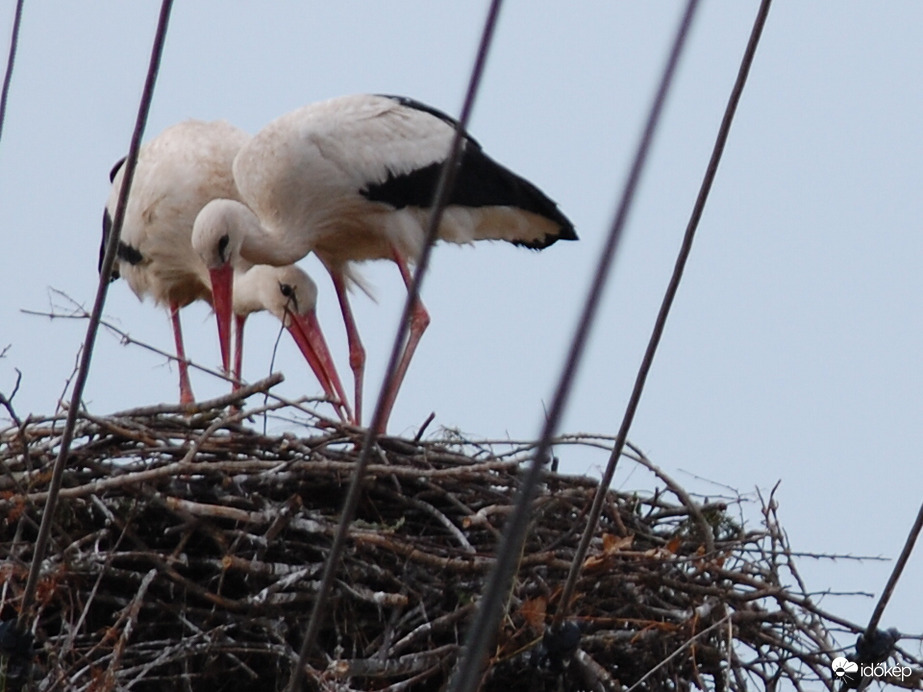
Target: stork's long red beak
307 333
222 279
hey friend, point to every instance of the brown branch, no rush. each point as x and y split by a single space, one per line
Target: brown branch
402 665
235 397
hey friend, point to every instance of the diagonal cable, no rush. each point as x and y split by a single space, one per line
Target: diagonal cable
11 58
870 631
86 356
896 573
469 669
441 197
710 172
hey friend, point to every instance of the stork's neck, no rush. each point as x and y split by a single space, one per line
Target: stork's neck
262 247
246 298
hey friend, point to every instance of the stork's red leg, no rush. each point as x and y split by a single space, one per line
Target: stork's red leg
356 349
419 321
185 387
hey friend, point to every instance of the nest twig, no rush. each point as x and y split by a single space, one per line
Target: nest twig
187 551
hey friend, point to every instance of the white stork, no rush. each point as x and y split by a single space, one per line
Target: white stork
291 295
353 179
178 172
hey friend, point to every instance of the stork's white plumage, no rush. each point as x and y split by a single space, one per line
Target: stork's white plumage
353 179
177 173
291 295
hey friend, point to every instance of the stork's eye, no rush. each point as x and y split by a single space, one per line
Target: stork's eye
223 247
291 298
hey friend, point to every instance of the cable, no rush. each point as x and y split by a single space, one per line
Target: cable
686 247
872 637
895 574
11 58
468 670
86 356
443 188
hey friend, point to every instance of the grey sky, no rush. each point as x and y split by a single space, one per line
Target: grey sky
793 351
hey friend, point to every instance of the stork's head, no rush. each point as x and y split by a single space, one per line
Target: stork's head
217 236
287 292
290 294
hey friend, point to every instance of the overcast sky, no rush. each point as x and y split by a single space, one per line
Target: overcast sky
793 353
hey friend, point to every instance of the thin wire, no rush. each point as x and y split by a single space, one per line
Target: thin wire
890 586
490 607
11 58
710 172
95 316
895 575
440 199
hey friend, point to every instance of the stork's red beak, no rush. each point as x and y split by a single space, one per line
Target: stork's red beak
222 279
310 339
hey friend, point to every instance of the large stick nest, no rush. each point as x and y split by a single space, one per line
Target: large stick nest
187 552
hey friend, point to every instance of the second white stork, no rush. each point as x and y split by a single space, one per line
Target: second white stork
353 179
291 296
177 173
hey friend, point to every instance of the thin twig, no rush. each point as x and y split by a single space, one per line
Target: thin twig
7 401
691 507
124 337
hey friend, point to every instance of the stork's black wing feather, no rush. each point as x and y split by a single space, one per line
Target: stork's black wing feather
479 182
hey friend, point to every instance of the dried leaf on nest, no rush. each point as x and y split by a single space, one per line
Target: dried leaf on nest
187 553
611 546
